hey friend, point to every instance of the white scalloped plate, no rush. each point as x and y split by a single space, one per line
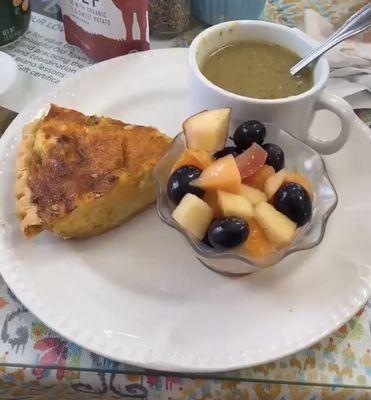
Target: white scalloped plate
137 294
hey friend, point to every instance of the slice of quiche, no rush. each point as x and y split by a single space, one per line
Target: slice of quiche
79 175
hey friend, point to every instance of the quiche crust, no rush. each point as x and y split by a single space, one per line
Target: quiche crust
78 175
26 211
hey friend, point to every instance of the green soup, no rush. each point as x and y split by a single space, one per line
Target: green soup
257 69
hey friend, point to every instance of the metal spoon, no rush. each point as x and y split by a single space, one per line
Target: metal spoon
357 23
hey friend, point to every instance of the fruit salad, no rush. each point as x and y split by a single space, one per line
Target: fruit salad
237 196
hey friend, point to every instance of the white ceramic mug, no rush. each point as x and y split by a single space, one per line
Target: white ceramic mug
295 113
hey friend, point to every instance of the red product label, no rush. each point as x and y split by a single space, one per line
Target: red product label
106 28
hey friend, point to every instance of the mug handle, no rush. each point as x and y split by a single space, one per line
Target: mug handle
329 101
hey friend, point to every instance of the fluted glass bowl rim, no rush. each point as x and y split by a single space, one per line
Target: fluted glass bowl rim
206 252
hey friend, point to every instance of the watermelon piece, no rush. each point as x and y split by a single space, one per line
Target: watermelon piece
251 160
259 178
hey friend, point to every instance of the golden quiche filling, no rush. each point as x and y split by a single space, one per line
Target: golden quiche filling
80 175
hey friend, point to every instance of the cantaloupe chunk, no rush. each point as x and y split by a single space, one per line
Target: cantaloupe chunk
222 174
196 157
257 244
208 130
260 177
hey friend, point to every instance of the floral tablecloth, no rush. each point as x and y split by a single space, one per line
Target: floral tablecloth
36 363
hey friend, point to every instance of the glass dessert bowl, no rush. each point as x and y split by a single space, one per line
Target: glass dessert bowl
299 158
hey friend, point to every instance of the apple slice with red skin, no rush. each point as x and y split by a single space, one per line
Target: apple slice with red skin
208 130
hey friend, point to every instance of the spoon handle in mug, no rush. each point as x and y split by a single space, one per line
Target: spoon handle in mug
357 23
